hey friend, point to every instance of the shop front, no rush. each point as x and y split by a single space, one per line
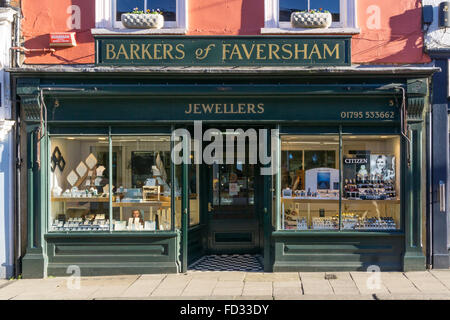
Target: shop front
328 175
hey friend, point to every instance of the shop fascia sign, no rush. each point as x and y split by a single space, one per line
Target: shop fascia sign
223 51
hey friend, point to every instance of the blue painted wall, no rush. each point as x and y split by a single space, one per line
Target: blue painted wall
440 163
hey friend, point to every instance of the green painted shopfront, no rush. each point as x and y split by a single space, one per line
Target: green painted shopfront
345 144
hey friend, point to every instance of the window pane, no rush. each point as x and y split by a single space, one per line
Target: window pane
371 175
289 6
79 184
142 190
331 5
310 182
124 6
168 7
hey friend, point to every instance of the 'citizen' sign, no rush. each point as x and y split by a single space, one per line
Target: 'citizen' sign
355 161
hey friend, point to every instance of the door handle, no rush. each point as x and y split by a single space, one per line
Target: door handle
442 204
210 207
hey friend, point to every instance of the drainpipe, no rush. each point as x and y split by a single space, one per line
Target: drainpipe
429 196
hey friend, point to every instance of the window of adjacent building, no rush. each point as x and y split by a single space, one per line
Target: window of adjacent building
168 7
79 184
289 6
278 12
321 191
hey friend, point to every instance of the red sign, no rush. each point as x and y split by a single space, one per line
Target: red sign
62 39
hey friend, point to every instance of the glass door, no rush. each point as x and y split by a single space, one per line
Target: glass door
234 219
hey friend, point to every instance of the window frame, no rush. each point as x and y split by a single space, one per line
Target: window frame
109 138
347 18
105 17
118 24
278 188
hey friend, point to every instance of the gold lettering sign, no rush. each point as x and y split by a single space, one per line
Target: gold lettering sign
224 108
191 51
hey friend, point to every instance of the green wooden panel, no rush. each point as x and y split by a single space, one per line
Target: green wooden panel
337 251
196 245
223 51
109 254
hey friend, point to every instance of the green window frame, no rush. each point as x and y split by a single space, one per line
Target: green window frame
386 225
108 134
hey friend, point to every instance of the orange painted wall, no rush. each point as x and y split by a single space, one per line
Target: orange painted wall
396 37
390 30
44 16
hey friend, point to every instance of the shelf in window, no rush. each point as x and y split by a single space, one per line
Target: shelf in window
393 201
141 204
79 199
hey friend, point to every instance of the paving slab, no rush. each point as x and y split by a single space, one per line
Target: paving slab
170 283
257 296
235 291
324 297
167 292
179 276
4 283
443 276
111 286
315 283
288 291
142 287
229 284
287 284
152 276
205 275
398 283
258 285
343 284
258 277
232 276
200 287
31 287
369 282
434 285
426 282
412 296
257 289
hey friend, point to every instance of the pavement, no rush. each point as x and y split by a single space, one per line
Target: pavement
224 285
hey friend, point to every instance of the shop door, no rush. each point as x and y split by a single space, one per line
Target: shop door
234 213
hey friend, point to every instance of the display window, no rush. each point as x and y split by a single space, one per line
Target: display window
141 183
122 183
328 183
371 182
310 182
79 184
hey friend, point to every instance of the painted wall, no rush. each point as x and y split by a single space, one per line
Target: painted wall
390 30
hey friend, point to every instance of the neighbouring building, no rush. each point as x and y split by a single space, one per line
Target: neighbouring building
342 110
8 20
437 45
